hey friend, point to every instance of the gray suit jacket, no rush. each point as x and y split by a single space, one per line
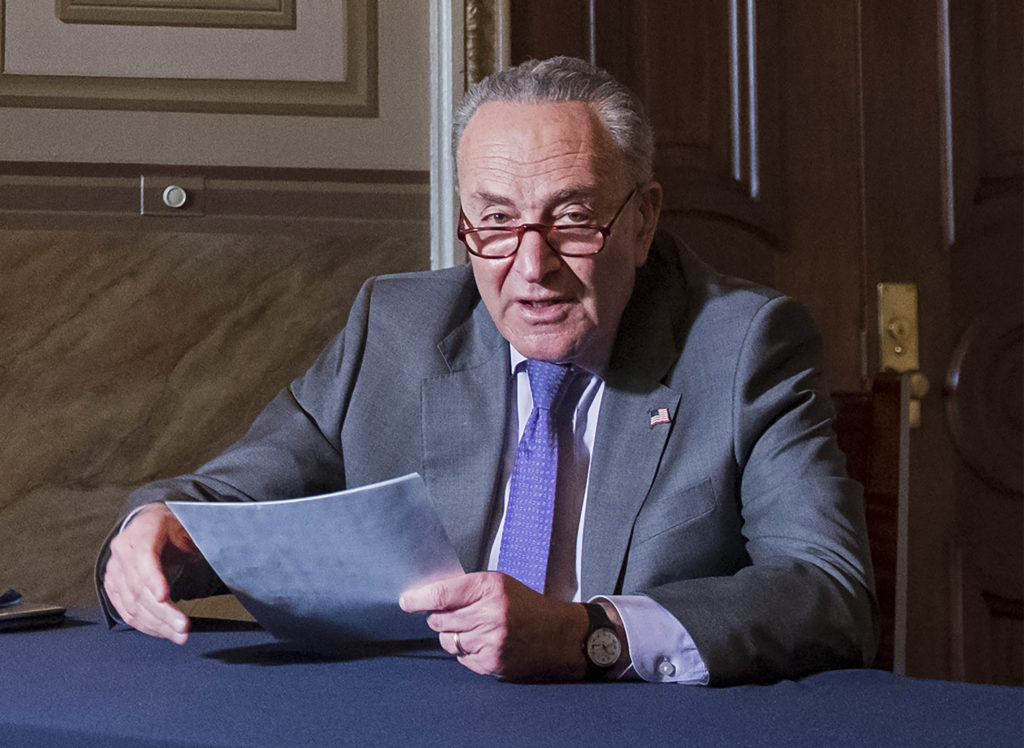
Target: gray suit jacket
737 516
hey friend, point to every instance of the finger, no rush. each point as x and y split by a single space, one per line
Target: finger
454 643
158 619
483 605
142 571
471 618
478 661
136 584
479 665
158 543
448 594
134 560
165 620
141 610
434 596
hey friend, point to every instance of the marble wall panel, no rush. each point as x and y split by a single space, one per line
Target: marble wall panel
130 356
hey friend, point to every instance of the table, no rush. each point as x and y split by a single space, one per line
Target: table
233 684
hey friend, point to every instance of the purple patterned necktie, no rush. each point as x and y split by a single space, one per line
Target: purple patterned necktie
526 537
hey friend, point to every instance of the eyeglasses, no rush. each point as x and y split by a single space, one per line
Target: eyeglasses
570 240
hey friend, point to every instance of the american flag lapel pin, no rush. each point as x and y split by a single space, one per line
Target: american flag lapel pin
659 415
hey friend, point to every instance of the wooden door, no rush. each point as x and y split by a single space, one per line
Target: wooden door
822 148
984 385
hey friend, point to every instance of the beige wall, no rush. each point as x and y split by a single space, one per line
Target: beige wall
398 138
130 356
133 347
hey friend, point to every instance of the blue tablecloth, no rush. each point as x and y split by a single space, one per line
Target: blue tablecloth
233 684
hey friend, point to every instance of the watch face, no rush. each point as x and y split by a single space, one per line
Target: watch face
603 648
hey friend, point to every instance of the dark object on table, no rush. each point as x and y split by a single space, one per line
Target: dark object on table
16 613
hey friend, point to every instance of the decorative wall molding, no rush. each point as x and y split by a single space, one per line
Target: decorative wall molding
743 74
946 159
256 14
486 38
982 397
479 40
114 196
354 96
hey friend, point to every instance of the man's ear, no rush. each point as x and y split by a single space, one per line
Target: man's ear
648 201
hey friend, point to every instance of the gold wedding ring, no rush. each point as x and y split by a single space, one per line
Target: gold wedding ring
458 644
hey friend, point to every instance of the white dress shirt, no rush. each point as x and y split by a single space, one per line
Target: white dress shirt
659 645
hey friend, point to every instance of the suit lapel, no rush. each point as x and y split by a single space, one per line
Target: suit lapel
627 447
463 419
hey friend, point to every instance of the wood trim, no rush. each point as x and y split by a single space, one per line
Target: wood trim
725 200
946 157
872 429
743 114
112 197
480 25
486 38
268 173
357 96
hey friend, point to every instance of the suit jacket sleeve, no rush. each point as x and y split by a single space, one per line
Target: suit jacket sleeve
799 598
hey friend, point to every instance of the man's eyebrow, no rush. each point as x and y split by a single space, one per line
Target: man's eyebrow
490 197
565 194
575 192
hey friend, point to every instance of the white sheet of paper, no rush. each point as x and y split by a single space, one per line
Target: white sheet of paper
327 569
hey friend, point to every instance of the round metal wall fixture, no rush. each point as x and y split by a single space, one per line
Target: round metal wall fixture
985 398
175 196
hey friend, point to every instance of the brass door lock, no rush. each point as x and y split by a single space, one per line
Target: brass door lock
898 340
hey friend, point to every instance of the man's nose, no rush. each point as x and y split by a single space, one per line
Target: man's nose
536 258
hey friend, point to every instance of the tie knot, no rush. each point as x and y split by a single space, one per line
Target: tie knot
546 381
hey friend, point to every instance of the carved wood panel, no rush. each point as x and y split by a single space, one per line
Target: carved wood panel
984 392
693 65
749 169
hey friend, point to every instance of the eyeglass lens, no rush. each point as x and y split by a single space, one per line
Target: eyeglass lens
567 240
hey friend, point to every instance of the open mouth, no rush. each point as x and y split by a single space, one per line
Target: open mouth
543 310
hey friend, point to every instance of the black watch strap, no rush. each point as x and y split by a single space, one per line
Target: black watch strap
599 621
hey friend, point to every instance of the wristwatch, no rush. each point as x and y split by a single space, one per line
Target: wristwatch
602 646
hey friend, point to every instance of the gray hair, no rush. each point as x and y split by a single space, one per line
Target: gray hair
565 79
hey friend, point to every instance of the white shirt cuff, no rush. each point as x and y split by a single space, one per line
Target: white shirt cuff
130 517
660 647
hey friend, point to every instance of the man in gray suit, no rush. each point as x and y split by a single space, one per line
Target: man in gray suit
703 528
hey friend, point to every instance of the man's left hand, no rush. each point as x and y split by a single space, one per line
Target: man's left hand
503 627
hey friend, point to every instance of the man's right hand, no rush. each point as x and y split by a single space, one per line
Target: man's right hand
151 549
